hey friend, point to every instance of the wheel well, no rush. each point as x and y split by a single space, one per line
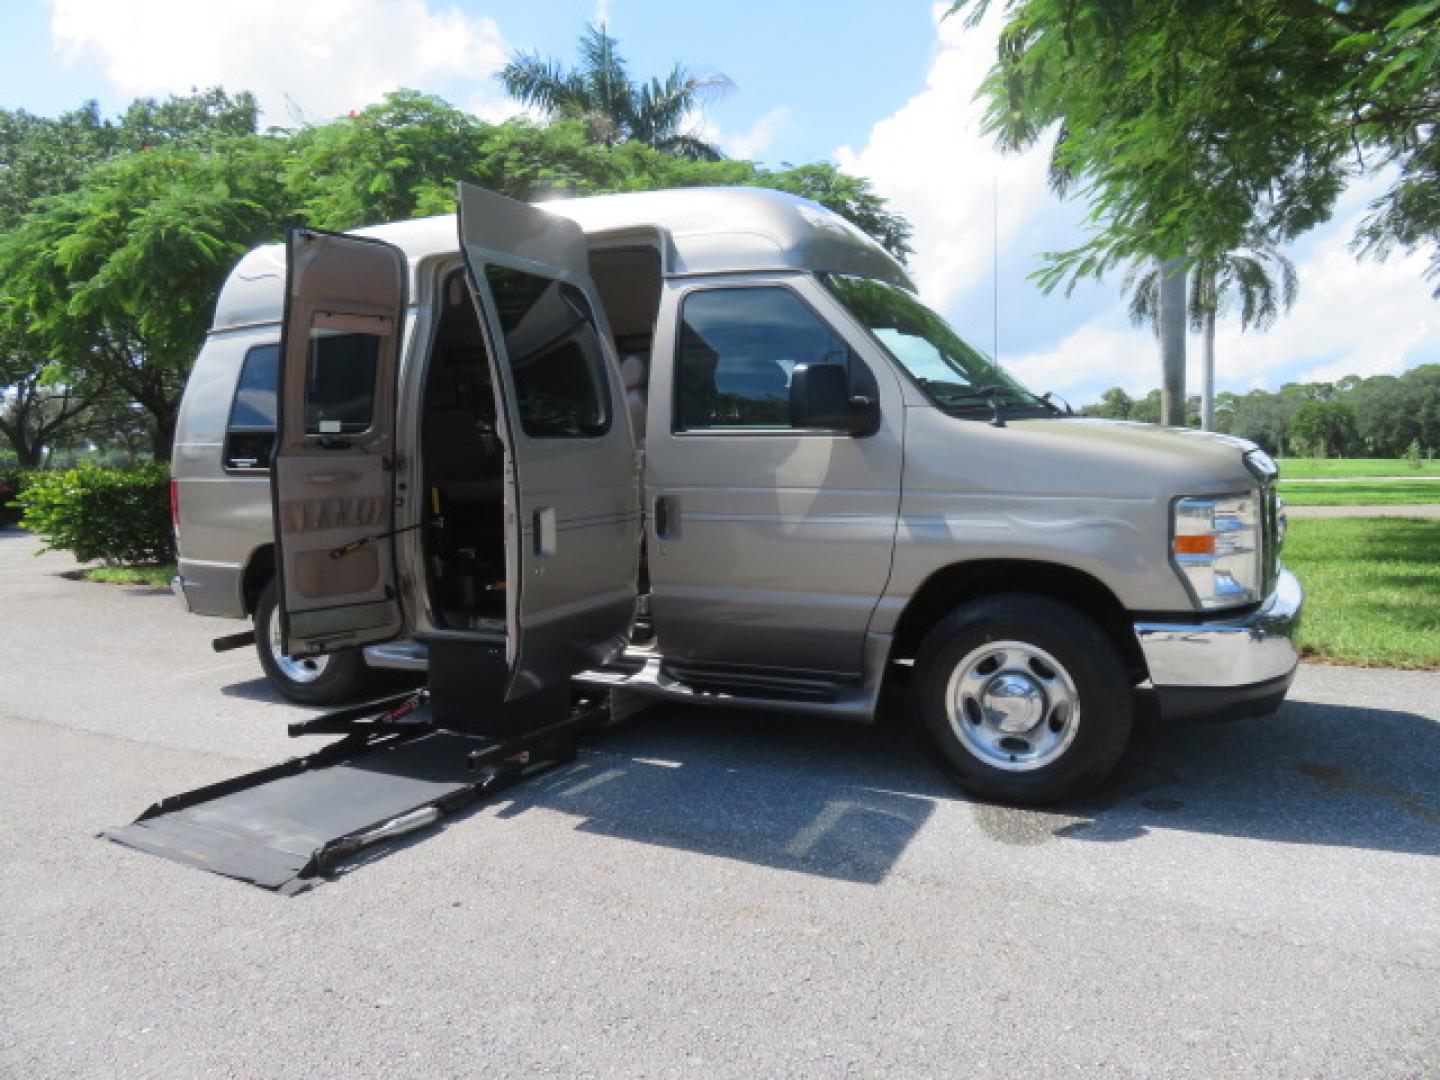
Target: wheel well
258 572
947 589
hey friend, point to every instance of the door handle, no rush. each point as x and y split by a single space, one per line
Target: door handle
330 477
667 517
545 531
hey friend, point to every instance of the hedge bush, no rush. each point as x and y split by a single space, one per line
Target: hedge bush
119 516
12 482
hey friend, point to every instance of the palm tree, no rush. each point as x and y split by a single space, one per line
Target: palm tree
600 92
1261 276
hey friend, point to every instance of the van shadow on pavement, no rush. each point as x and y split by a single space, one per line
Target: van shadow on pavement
845 801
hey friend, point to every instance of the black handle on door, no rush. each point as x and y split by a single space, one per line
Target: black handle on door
662 515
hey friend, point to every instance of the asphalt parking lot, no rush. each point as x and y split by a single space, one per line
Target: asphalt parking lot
708 894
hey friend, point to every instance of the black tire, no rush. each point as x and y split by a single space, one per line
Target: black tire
1077 687
344 675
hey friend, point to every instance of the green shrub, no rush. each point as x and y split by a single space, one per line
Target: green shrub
119 516
12 482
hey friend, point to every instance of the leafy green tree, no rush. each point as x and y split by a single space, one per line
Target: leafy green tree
117 279
1195 128
1115 404
1322 427
1385 419
44 157
1146 410
613 107
37 410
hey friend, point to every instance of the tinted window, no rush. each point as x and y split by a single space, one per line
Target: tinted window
554 352
340 382
737 350
250 434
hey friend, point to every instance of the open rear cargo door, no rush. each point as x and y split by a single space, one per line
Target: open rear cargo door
572 496
333 477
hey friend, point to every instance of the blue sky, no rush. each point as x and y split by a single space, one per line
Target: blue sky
884 89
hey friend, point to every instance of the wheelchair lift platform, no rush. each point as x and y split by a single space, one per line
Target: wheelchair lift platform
394 771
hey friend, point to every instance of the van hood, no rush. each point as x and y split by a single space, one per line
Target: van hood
1123 457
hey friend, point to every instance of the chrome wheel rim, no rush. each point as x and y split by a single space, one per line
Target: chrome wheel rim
1013 706
298 669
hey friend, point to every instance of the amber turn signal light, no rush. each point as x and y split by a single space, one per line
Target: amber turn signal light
1202 544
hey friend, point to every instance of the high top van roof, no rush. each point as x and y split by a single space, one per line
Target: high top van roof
701 231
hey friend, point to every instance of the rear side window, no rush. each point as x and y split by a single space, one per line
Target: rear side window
736 352
340 382
554 354
250 433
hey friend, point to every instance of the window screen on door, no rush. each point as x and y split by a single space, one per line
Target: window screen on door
555 354
340 382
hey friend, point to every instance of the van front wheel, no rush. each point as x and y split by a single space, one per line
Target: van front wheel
1024 699
311 680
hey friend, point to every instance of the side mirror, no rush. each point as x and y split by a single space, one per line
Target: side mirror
820 397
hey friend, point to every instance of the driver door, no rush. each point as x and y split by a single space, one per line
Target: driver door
333 476
572 482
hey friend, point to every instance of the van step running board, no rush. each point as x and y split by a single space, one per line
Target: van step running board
289 826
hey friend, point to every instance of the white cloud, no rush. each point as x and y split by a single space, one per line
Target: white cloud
933 163
751 144
323 57
1352 317
1100 353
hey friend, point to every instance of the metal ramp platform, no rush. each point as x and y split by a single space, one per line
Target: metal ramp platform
289 826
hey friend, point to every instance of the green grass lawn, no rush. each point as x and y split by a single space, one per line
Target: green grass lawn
1308 468
155 576
1359 493
1372 590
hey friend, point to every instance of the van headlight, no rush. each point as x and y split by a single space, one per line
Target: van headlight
1216 545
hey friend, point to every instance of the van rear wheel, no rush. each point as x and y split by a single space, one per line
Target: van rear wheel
1024 699
311 680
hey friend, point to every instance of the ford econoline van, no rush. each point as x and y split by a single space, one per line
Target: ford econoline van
708 446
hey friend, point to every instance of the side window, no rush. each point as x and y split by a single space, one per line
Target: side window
736 352
554 352
250 433
340 382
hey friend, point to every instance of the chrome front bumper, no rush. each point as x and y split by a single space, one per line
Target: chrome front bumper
1251 650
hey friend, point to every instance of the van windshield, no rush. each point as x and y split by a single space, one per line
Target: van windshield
954 375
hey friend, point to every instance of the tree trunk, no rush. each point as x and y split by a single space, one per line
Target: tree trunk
1207 379
1172 342
162 437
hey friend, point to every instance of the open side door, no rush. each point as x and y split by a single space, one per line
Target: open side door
572 478
333 476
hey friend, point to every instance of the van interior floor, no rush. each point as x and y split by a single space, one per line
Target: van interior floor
290 826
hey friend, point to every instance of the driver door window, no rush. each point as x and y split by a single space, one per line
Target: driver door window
736 351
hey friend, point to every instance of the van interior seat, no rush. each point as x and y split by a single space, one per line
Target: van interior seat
460 437
635 376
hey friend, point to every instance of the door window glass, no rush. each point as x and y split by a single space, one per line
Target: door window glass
340 382
554 353
250 433
737 350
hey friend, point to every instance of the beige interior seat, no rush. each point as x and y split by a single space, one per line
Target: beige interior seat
634 375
